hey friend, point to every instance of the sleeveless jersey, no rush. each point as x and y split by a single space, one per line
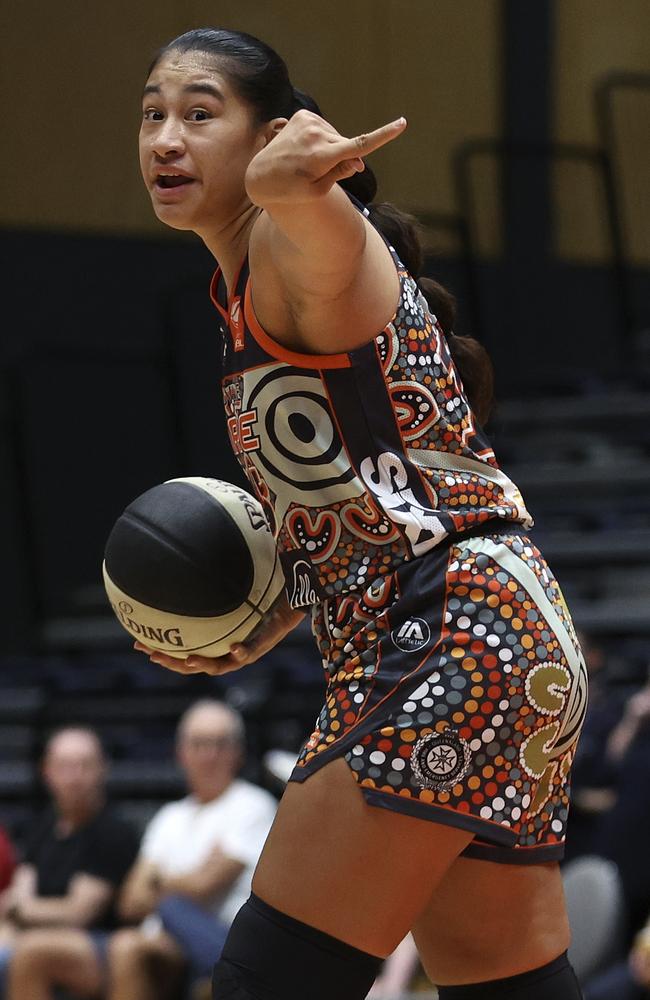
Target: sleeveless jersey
361 460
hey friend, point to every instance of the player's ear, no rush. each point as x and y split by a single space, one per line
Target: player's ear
269 132
274 127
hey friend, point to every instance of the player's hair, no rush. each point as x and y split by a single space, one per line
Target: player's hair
470 357
261 78
257 73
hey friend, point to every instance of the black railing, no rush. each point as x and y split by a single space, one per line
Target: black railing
604 93
504 153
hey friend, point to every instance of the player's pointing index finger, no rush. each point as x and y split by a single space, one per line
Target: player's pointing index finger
361 145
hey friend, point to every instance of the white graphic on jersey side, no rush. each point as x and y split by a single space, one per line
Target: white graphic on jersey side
302 592
388 482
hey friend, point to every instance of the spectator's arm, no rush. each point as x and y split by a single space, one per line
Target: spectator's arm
398 971
213 877
624 734
594 800
22 886
141 891
86 901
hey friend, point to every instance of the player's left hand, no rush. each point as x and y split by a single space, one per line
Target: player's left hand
277 623
308 156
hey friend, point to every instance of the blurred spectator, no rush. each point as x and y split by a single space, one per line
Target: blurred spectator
195 865
58 907
624 838
7 859
397 971
625 830
593 775
629 980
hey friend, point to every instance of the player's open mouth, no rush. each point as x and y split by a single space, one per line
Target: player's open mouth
166 181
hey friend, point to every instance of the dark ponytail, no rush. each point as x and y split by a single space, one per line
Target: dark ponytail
303 102
260 77
470 357
402 231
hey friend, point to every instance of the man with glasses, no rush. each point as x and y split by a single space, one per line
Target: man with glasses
195 864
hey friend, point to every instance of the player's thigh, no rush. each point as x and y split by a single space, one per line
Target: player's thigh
360 873
67 956
487 920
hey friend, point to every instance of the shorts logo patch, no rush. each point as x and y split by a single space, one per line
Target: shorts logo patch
413 634
440 760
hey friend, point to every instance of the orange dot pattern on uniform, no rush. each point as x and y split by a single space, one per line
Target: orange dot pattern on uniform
483 682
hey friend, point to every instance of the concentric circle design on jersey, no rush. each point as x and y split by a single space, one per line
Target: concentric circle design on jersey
300 445
440 760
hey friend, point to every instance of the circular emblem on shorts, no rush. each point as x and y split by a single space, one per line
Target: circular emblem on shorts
412 634
440 760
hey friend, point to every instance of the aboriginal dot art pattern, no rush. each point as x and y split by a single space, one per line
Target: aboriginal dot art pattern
364 460
455 685
477 727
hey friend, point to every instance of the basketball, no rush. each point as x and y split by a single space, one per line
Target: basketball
191 566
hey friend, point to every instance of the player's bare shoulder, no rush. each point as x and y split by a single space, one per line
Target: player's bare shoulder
309 317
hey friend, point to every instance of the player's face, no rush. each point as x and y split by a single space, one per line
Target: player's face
196 140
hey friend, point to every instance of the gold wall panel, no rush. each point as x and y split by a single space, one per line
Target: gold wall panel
73 90
593 39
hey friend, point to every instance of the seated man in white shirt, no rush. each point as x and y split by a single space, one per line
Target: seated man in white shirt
195 864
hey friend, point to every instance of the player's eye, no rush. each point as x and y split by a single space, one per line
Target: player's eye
152 115
198 115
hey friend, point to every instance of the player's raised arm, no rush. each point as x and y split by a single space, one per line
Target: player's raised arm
330 262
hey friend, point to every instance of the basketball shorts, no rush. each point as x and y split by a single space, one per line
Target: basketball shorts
456 689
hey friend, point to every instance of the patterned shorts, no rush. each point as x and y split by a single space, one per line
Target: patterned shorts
456 689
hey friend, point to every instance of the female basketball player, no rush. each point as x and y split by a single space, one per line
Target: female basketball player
432 794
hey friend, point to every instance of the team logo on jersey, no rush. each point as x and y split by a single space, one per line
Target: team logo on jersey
440 760
236 322
412 634
240 429
300 591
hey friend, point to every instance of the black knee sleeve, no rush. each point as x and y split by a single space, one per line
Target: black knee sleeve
555 981
271 956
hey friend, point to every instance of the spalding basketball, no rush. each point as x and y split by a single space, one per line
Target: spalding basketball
191 566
